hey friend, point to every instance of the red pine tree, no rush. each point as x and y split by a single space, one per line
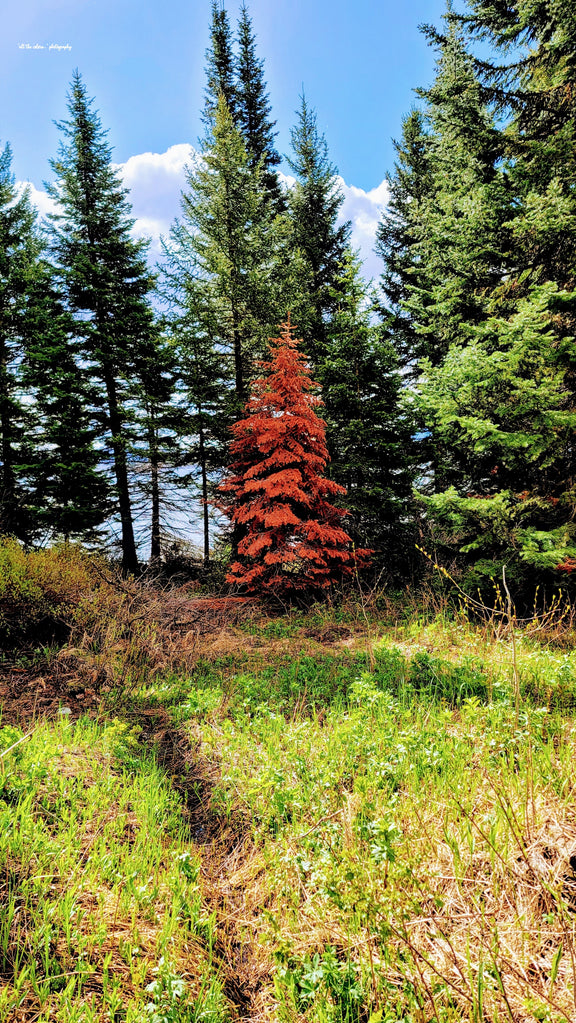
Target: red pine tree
275 492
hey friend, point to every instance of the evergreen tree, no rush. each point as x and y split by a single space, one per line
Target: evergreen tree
253 109
353 361
235 247
503 405
49 481
276 491
20 248
105 281
368 435
68 493
462 239
398 234
536 89
220 66
314 203
496 391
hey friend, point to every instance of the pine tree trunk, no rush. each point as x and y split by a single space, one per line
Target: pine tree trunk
205 516
7 478
155 541
129 556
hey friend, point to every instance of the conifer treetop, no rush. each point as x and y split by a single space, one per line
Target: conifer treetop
220 65
276 494
254 108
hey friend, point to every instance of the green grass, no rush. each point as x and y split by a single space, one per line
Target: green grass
393 842
414 837
102 910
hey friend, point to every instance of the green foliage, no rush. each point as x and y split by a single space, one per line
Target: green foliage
220 65
49 481
20 249
368 435
398 233
103 275
40 592
314 204
451 682
479 257
253 109
325 978
228 253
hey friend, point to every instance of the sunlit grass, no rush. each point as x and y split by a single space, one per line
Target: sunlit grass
101 895
386 837
418 839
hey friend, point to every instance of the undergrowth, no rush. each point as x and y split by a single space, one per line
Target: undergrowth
417 858
345 815
102 914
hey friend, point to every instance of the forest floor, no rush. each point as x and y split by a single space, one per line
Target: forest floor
215 813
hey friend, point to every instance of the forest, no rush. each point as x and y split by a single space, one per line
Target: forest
287 623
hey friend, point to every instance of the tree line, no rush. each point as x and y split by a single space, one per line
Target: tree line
448 389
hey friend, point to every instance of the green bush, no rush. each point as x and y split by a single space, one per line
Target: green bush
40 591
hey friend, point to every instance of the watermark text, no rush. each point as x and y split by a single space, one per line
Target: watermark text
44 46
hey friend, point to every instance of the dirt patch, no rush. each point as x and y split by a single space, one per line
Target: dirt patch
330 634
192 775
27 695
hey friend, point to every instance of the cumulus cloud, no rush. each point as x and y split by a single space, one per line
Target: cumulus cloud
156 181
364 209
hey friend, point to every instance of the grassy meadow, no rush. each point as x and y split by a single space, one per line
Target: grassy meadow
362 812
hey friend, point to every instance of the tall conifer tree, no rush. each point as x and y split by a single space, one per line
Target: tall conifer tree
496 392
398 233
461 240
20 248
69 495
105 280
231 240
49 479
220 66
315 202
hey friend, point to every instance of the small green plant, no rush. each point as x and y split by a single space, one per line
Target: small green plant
325 978
166 991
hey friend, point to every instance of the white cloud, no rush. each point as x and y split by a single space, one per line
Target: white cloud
364 209
156 181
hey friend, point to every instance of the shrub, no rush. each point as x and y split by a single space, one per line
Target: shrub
40 591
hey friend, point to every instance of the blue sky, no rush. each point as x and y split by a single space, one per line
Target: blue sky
143 61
